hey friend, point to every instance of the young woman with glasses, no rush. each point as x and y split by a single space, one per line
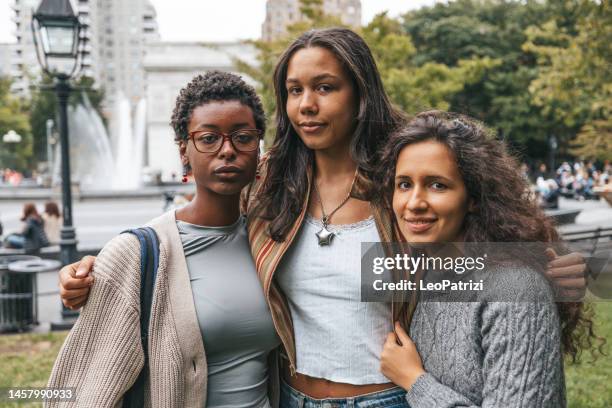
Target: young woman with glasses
314 204
211 332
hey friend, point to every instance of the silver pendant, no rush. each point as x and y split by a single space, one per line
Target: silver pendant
325 236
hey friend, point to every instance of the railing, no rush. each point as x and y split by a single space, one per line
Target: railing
588 234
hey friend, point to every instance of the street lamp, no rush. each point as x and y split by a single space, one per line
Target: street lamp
11 137
56 30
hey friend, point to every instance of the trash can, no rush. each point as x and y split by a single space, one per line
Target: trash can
17 301
43 273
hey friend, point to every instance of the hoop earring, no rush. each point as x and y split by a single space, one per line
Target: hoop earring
185 173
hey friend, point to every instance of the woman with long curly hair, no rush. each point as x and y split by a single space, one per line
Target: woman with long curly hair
450 181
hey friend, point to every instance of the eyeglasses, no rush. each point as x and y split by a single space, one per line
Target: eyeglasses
243 140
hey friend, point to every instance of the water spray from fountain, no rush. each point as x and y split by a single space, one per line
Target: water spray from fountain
129 141
91 159
93 164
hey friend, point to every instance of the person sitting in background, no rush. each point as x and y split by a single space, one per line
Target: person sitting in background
52 221
32 237
548 192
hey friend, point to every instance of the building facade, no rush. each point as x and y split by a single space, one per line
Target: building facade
113 40
120 32
281 13
25 65
7 51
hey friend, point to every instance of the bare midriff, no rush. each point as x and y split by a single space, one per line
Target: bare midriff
321 388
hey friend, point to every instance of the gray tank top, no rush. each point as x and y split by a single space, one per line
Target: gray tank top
234 318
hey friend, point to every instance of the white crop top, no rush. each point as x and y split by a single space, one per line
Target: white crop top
337 337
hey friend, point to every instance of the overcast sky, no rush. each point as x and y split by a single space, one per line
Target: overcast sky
205 20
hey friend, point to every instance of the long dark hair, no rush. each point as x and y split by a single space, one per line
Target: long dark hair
285 187
29 211
52 209
505 210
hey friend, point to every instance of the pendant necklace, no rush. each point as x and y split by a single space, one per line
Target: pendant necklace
325 236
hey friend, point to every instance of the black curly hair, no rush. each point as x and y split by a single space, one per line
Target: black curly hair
214 86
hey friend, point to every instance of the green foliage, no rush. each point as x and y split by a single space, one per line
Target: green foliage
574 84
463 29
411 86
594 141
553 68
494 30
13 116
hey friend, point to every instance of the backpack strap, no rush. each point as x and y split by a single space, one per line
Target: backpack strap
149 262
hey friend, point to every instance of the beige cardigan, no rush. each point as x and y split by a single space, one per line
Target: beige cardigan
102 355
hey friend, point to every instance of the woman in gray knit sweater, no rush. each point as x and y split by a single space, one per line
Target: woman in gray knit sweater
451 182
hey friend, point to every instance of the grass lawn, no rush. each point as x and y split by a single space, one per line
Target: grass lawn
590 384
27 359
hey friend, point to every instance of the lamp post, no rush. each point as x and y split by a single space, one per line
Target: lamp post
49 124
553 145
56 30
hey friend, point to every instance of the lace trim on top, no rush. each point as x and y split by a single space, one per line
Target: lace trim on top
341 227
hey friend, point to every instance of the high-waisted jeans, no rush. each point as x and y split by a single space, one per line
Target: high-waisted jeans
390 398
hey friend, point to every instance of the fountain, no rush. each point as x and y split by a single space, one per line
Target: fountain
93 164
91 160
129 142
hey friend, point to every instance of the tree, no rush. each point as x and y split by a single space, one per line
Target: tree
411 86
468 29
13 116
574 84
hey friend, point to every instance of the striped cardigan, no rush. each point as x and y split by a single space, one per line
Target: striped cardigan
268 253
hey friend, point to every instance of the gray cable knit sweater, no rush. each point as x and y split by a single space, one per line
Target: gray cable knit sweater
491 354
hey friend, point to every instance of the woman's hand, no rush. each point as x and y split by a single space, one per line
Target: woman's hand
568 273
75 282
401 363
